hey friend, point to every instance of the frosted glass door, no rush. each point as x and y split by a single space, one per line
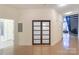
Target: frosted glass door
45 32
41 32
36 32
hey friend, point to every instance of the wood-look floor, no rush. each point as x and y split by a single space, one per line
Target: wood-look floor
57 49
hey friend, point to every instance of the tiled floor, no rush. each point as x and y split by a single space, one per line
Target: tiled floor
58 49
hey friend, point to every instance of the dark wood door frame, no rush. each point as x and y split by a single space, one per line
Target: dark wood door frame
41 32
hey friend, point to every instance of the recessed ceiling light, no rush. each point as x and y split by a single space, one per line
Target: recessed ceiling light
67 13
61 5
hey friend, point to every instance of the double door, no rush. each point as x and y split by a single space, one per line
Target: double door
41 32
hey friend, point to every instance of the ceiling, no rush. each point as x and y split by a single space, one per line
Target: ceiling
69 7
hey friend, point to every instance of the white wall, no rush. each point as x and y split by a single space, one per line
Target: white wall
27 15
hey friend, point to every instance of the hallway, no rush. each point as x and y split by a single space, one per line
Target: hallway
39 24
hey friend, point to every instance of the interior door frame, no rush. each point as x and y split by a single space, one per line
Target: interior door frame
41 32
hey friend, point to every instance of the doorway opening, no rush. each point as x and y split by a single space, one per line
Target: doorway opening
70 31
6 33
41 32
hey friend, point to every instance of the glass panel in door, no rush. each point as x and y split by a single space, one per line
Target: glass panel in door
36 32
45 32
